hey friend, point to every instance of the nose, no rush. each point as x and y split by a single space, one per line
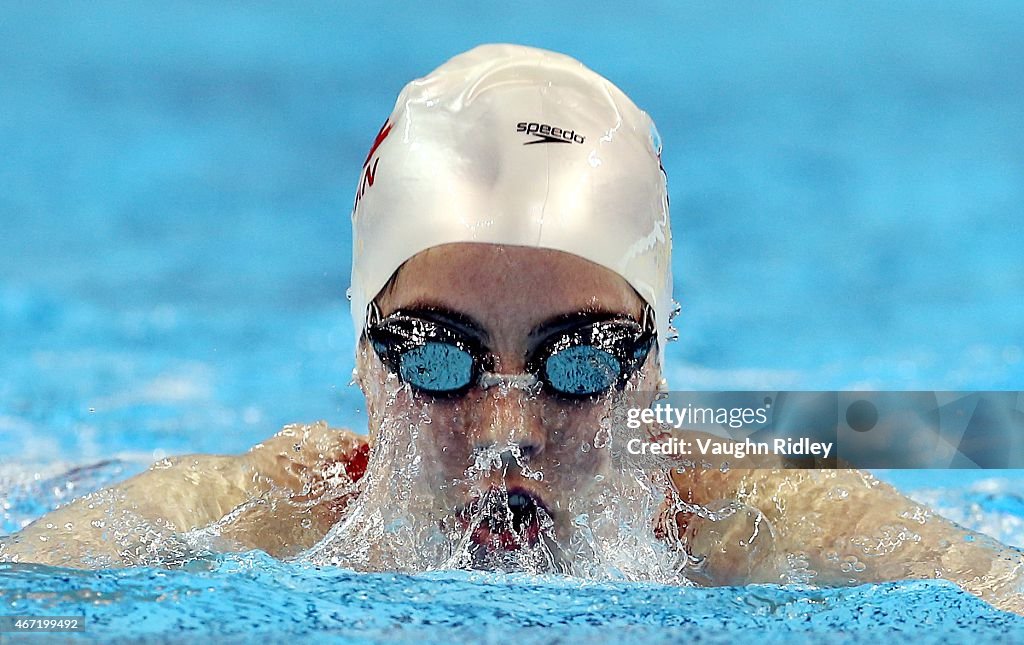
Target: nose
509 420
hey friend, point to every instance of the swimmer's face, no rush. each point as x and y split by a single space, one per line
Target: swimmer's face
537 448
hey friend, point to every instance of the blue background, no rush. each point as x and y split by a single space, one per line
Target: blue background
846 180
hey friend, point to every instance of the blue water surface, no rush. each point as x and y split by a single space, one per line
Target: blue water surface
252 597
175 181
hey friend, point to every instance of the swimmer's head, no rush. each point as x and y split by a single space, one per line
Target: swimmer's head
511 251
513 145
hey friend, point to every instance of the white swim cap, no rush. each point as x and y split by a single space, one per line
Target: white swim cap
514 145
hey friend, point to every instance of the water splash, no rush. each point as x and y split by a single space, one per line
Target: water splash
434 499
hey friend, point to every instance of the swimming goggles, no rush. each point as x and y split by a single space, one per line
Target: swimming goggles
436 358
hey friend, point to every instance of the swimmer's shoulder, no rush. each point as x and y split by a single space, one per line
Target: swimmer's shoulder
313 445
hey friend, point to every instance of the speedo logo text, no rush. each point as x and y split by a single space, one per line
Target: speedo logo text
548 133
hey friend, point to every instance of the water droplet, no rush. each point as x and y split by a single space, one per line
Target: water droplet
676 310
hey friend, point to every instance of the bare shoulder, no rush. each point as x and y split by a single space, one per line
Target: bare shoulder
319 438
305 475
313 445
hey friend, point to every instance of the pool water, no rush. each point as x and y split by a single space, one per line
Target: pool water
174 192
251 595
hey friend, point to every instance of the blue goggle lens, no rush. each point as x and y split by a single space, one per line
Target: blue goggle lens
437 367
582 370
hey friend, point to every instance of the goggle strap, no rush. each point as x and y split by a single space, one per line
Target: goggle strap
373 315
648 322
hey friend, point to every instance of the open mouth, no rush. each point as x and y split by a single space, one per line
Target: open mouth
506 520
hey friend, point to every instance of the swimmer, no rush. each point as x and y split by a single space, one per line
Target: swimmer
511 281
